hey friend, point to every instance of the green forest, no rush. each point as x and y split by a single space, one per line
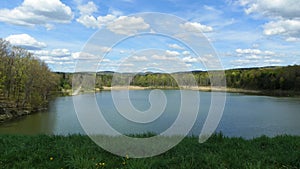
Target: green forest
25 81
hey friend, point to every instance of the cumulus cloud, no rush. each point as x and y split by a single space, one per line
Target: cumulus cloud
55 56
278 8
53 53
256 57
190 59
186 53
253 57
90 21
139 58
85 56
273 61
241 52
88 9
25 41
118 24
290 28
248 51
244 62
285 16
196 27
37 12
127 25
172 53
175 46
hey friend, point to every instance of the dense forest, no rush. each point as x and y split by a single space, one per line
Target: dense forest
25 82
266 78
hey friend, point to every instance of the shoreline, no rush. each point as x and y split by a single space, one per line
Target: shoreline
200 88
276 93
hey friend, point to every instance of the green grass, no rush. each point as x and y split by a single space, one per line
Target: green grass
75 151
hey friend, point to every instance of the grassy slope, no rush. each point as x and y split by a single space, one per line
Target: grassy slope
218 152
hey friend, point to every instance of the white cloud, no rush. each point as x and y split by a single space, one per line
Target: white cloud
190 59
26 41
196 27
104 49
273 61
127 25
53 53
290 28
90 21
248 51
37 12
120 25
257 57
253 57
103 20
186 53
138 58
242 62
292 39
55 56
269 52
175 46
172 53
254 53
105 60
88 9
163 57
85 56
273 8
285 16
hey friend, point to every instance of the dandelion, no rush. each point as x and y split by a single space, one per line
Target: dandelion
124 163
127 157
101 164
51 158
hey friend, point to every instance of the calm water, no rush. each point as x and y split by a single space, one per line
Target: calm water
244 115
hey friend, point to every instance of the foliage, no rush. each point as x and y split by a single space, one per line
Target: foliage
24 80
266 78
77 151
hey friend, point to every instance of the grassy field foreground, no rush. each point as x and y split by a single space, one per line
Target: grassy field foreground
77 151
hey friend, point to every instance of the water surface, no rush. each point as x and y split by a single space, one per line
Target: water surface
247 116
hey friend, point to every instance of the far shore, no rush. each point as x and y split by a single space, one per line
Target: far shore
200 88
283 93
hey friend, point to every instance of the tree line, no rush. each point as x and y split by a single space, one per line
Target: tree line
268 78
265 78
24 80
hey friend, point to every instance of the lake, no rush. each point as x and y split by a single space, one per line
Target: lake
244 115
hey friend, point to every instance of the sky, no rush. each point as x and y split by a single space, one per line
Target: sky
156 35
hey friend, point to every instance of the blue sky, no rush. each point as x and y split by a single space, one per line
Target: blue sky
242 33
